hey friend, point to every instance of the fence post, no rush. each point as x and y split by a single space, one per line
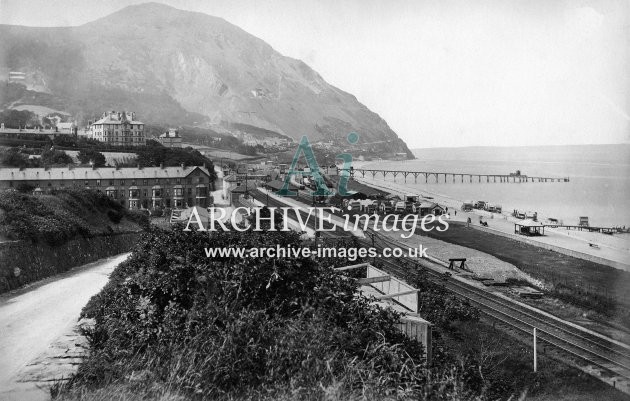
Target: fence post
535 356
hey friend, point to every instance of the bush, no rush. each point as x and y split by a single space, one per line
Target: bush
52 156
228 327
59 216
115 216
91 156
157 212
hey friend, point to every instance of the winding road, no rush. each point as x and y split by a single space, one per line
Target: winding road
35 317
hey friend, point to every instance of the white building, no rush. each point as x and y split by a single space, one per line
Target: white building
170 139
119 129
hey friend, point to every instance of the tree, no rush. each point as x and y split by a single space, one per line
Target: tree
53 156
91 156
18 118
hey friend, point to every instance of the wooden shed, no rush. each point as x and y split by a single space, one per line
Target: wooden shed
529 227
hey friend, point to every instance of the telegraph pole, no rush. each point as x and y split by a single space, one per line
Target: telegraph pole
535 356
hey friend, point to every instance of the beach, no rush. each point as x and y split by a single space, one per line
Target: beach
613 248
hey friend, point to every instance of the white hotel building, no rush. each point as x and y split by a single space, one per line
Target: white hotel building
119 129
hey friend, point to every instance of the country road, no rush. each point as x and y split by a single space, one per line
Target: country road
32 319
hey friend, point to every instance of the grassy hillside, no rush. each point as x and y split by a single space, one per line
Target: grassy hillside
63 215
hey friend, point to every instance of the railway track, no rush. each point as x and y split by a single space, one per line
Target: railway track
611 357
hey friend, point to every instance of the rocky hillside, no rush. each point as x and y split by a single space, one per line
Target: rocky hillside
174 66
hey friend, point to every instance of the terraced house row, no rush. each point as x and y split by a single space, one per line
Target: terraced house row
135 188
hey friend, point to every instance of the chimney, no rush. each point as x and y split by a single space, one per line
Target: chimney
70 165
162 165
182 165
139 166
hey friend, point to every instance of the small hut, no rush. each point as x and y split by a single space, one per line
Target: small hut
529 227
425 208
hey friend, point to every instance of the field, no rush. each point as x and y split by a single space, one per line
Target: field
216 154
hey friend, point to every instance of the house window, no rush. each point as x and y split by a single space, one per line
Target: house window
10 183
98 183
178 181
122 182
145 182
133 182
87 183
201 180
111 183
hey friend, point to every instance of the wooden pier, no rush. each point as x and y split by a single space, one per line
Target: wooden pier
436 177
604 230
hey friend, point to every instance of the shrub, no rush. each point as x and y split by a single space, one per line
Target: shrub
115 216
226 327
60 216
52 156
93 156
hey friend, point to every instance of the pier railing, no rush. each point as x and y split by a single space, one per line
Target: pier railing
434 176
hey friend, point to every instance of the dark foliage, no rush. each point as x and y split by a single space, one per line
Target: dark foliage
53 157
18 118
14 157
228 327
91 156
58 217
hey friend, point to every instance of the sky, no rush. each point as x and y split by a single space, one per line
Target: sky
442 73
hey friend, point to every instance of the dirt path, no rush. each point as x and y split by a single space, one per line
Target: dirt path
33 321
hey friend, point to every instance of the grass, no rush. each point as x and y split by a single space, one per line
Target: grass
61 215
508 361
577 281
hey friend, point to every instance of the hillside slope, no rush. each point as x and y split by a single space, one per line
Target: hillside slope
174 66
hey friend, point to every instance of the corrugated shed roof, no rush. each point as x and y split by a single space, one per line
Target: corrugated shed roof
277 185
355 186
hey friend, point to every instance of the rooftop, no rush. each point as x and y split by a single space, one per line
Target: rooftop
100 173
529 223
118 118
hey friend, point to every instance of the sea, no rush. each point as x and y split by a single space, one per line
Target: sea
598 187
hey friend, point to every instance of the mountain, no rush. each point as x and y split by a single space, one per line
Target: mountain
178 67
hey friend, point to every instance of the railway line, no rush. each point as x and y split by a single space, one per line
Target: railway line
610 357
594 353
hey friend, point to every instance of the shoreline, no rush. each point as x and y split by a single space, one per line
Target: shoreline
611 250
